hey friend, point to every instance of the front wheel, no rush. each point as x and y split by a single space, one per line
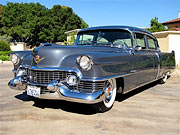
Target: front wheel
109 98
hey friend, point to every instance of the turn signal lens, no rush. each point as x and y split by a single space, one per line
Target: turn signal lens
72 80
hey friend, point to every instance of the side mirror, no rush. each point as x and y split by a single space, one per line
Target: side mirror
138 48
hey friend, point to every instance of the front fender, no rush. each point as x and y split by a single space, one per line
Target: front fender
24 56
105 64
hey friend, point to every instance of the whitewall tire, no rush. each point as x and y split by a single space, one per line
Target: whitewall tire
110 90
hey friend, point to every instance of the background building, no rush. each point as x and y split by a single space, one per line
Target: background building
170 40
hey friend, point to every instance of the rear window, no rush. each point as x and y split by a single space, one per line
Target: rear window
151 43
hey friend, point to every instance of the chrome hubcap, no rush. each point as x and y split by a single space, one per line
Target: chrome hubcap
108 92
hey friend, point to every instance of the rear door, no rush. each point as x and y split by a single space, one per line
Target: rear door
142 65
153 50
145 62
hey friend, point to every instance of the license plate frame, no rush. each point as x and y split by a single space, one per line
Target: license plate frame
33 91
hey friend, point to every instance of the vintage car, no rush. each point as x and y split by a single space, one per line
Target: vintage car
102 62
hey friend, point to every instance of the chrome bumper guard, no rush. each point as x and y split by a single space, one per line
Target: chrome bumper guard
18 83
61 92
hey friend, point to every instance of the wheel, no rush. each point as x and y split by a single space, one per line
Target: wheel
109 98
164 78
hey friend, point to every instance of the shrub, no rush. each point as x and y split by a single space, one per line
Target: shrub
7 53
4 46
4 58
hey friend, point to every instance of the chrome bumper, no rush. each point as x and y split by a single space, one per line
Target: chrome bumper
61 92
17 83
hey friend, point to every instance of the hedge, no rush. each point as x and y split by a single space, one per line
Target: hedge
4 46
5 55
4 58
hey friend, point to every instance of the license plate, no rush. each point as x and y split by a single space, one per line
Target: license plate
33 91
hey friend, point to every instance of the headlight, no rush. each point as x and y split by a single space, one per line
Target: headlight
85 62
15 59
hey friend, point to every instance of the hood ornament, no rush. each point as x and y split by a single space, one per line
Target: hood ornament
38 59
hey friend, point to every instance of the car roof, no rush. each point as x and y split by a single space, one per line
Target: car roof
129 28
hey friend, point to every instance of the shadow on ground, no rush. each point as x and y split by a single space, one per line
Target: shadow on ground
77 107
122 97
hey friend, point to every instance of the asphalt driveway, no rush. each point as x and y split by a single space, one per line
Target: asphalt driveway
150 110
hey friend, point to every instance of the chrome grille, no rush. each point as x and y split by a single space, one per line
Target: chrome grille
45 77
88 87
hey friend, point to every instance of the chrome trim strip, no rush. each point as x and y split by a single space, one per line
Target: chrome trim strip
36 84
97 79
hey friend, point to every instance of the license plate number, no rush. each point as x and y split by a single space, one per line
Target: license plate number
33 91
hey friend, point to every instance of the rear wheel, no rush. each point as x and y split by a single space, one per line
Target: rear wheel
110 96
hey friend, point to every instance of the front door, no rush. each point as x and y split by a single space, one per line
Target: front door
143 65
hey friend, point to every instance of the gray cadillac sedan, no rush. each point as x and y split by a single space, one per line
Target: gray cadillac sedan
102 62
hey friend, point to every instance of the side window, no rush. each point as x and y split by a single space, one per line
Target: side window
151 43
86 38
101 40
140 40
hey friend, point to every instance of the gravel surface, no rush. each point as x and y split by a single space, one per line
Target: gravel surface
150 110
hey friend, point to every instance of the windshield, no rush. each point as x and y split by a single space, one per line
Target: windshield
116 38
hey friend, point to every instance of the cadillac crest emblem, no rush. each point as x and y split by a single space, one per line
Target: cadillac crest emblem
38 59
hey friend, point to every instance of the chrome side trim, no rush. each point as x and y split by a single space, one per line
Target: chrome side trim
104 78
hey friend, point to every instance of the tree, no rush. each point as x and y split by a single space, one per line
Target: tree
33 23
20 20
156 26
1 10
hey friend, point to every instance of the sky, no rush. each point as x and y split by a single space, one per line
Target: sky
116 12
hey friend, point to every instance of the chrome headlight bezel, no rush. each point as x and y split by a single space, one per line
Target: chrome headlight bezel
14 59
85 62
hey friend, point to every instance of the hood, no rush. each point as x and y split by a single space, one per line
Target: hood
63 56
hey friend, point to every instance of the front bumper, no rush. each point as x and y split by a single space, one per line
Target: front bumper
60 92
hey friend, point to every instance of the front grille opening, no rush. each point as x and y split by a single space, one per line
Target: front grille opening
44 90
45 77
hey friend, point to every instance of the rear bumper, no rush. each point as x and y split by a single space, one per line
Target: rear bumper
61 92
